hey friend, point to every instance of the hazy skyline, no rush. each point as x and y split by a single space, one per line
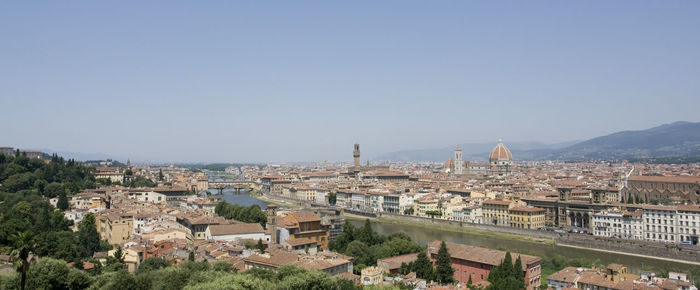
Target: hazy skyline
303 81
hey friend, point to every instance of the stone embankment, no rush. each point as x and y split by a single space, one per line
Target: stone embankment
623 246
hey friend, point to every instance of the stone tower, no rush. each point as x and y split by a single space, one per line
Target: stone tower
356 155
459 164
272 222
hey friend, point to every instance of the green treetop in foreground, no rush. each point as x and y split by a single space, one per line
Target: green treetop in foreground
507 275
366 245
49 273
443 266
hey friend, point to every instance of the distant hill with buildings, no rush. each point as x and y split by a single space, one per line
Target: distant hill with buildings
679 139
82 156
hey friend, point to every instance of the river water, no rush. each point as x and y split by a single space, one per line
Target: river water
240 198
425 235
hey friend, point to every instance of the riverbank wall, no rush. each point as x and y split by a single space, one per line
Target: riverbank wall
622 246
675 252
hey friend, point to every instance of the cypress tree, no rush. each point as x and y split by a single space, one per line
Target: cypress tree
443 266
506 275
119 255
508 265
518 269
62 203
423 267
260 246
88 238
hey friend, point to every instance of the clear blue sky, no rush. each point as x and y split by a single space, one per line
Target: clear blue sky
304 80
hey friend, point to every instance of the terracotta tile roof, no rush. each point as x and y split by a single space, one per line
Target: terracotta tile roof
300 241
235 229
395 262
695 208
659 207
305 216
274 259
527 209
593 278
674 179
497 202
480 255
568 275
615 267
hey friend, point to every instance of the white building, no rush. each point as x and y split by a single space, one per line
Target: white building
406 201
322 196
376 201
468 214
660 224
360 201
147 196
688 224
619 224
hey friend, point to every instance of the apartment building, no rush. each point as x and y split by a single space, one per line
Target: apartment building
360 201
114 174
426 204
496 212
303 192
303 227
619 224
468 214
116 227
406 201
343 198
384 202
526 217
688 224
660 223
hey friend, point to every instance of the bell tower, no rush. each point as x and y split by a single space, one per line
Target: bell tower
272 222
356 155
459 164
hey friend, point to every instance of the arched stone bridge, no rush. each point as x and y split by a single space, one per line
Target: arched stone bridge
236 185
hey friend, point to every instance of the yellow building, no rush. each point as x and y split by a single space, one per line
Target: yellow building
87 200
371 276
303 192
115 228
303 227
527 217
496 212
425 204
202 183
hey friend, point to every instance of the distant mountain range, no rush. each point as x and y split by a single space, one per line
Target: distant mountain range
679 139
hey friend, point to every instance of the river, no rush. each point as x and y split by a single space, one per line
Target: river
424 235
240 198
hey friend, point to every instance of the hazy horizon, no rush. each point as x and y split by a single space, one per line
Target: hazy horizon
249 81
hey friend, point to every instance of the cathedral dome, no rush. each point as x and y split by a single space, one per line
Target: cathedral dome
449 163
500 153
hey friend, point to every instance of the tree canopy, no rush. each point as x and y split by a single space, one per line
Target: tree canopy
506 275
366 246
444 273
249 214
